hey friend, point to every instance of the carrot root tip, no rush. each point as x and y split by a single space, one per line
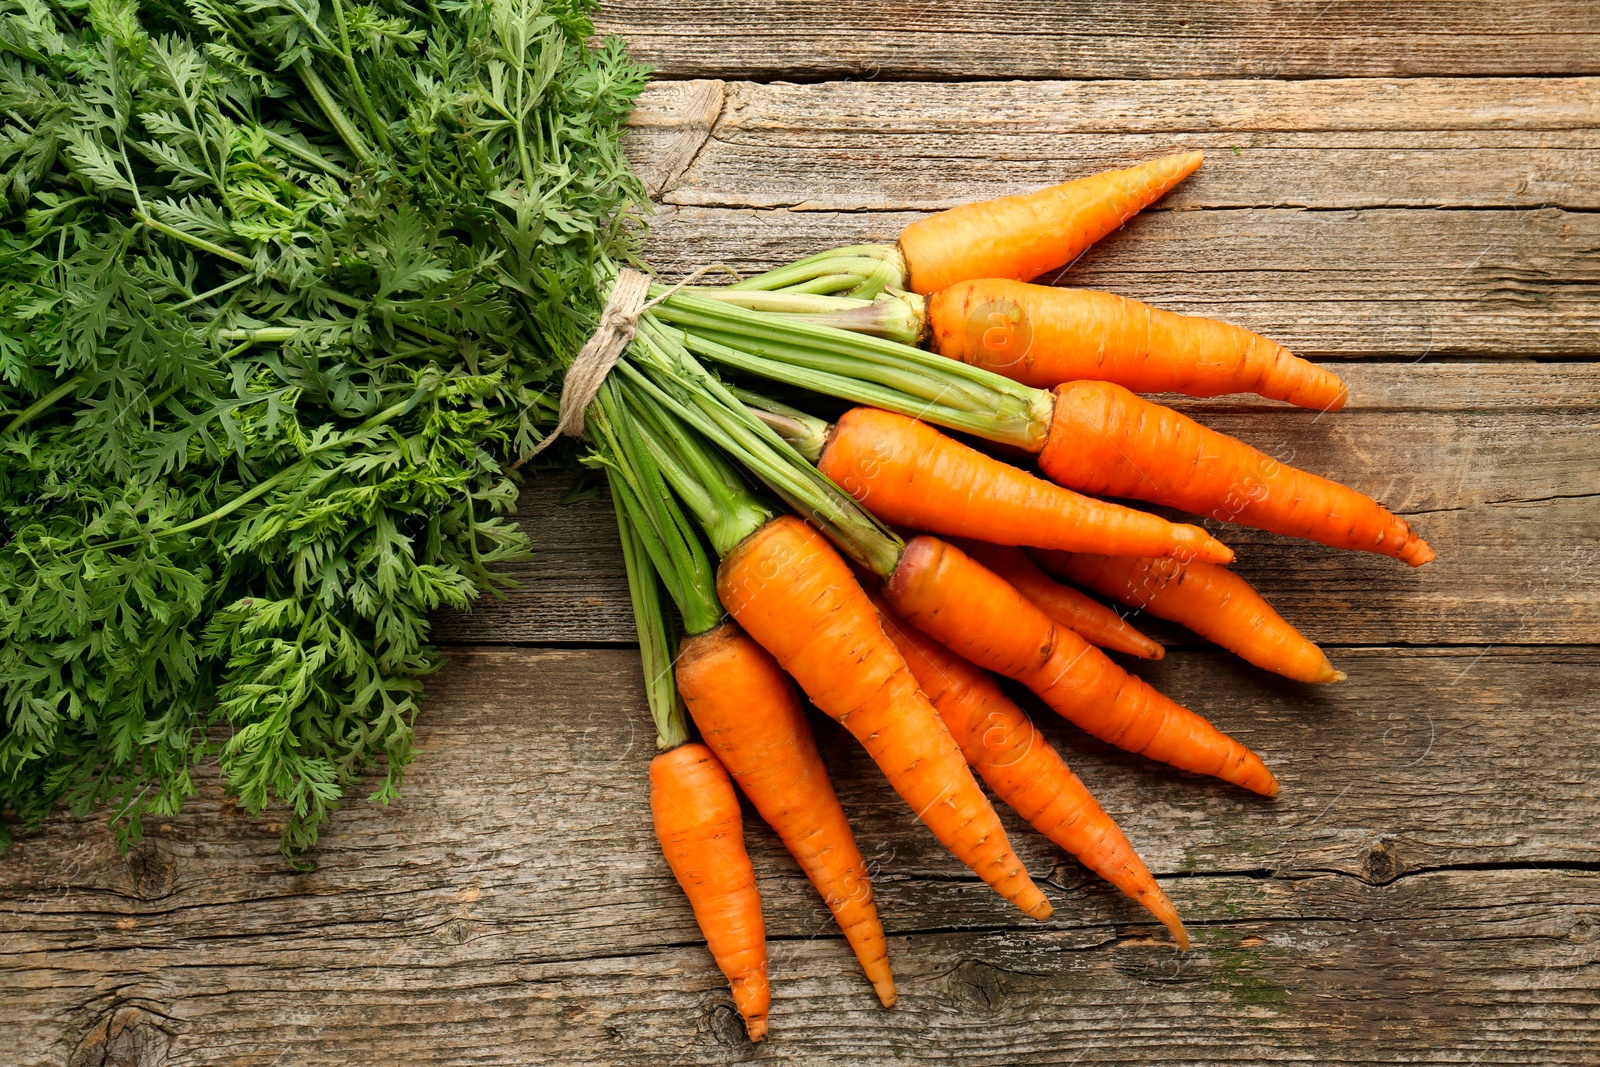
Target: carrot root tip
1338 676
1417 553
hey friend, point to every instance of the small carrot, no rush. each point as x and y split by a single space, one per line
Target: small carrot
1104 440
747 712
1044 336
978 615
1212 601
909 474
697 822
1089 619
1002 745
1023 236
796 597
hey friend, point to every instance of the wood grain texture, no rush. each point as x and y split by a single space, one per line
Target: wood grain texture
1414 185
1380 283
1305 234
1346 143
807 39
1495 464
1387 905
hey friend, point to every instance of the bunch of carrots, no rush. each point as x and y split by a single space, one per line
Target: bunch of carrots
892 571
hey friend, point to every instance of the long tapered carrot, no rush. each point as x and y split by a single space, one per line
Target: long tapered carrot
797 598
979 616
1065 606
1043 336
697 822
909 474
1002 745
1023 236
748 714
1105 440
1212 601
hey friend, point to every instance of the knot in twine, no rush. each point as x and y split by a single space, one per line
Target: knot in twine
619 321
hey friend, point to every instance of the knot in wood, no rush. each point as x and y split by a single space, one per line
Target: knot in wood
978 987
1381 864
151 872
124 1037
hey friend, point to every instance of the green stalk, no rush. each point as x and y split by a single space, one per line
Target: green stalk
267 335
666 534
845 387
198 242
44 403
664 369
918 383
360 88
897 315
824 285
807 433
305 154
655 640
335 114
863 260
701 476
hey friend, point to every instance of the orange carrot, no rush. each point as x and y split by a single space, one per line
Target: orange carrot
1212 601
1002 745
748 714
1023 236
697 822
1089 619
909 474
1105 440
793 593
1043 336
978 615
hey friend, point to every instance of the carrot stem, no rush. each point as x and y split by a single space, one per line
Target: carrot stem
895 315
807 433
655 520
868 370
702 477
861 260
655 639
681 386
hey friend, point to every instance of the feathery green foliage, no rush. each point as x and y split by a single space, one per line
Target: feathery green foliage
284 286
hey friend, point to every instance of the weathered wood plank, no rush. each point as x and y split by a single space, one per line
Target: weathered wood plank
1386 283
1488 968
1495 463
803 39
1424 758
1347 143
512 908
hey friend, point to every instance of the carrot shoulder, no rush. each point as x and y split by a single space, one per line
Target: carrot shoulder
1002 745
697 822
1105 440
1212 601
1089 619
1042 336
798 599
909 474
748 714
1023 236
979 616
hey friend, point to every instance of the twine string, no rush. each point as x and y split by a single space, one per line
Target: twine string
619 322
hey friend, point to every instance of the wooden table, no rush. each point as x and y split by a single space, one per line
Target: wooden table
1413 190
